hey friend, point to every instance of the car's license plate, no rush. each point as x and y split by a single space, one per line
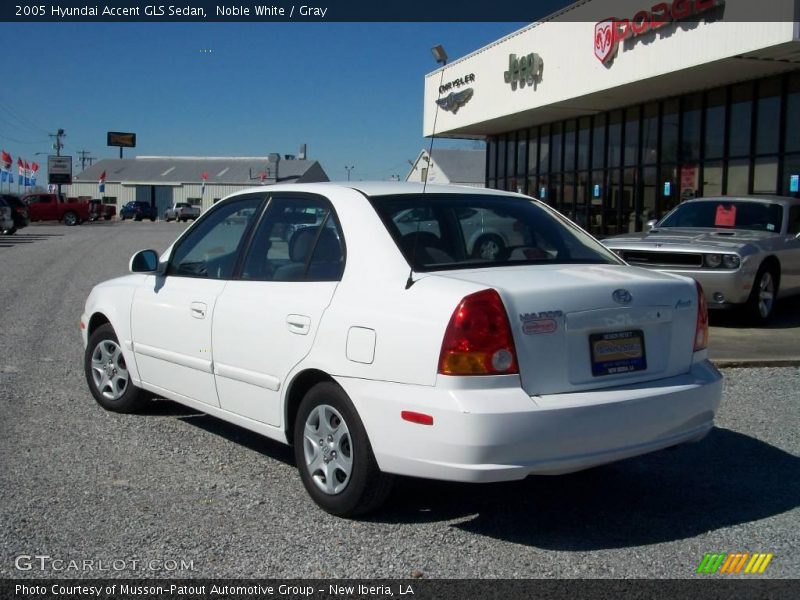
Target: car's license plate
617 352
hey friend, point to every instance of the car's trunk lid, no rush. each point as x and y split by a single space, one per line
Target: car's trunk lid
579 327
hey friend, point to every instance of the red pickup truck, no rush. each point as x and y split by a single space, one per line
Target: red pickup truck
55 207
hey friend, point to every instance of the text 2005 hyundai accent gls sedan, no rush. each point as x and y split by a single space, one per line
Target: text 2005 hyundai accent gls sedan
377 349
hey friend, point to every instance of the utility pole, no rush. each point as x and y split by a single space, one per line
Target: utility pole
348 169
58 146
85 157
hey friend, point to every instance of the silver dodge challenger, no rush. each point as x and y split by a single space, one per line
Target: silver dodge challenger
744 251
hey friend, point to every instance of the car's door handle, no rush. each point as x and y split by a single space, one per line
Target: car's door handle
198 310
299 324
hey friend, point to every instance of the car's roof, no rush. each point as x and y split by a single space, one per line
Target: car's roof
380 188
782 200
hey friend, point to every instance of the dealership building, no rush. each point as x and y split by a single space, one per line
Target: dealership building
614 111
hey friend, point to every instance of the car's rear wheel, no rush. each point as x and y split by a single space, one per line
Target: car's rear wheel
761 304
488 247
334 456
107 373
70 218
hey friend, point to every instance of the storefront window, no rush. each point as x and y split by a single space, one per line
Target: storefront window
511 154
741 116
738 177
554 190
599 142
613 201
581 196
615 139
555 148
791 170
544 150
583 143
793 114
596 194
765 176
670 189
569 146
632 136
712 178
669 132
568 203
715 124
501 157
491 150
649 194
522 153
769 116
533 153
690 148
650 134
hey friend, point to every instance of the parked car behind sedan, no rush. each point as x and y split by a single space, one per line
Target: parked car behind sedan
745 251
138 210
13 214
378 352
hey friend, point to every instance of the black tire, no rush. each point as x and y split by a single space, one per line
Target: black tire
183 219
152 219
10 231
107 217
70 219
131 398
489 246
366 487
759 306
137 218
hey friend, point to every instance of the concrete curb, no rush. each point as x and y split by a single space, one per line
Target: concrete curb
743 363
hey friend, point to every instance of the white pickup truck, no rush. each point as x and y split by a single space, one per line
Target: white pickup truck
182 211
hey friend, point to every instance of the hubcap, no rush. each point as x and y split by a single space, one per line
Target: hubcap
489 249
327 449
766 294
109 372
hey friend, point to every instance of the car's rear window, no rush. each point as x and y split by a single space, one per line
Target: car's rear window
465 231
726 214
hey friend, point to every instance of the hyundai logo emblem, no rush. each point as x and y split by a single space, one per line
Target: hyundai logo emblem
622 297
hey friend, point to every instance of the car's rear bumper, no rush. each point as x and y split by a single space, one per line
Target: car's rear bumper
501 433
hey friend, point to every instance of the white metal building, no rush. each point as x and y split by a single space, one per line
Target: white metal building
163 180
614 111
450 166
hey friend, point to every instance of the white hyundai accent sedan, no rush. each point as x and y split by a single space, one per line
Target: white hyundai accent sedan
377 348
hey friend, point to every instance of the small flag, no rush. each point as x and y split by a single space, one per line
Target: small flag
27 174
204 177
20 171
102 182
34 170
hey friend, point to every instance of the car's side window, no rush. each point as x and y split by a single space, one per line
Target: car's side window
298 239
210 248
794 220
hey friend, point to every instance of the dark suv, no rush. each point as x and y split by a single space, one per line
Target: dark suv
137 211
15 214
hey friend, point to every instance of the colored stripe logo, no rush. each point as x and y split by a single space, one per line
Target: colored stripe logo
739 562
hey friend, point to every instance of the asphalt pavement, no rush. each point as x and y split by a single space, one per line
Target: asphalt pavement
78 483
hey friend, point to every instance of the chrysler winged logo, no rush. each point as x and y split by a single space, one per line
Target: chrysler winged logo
622 296
455 100
605 40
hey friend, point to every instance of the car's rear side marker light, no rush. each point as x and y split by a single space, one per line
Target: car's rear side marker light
415 417
82 325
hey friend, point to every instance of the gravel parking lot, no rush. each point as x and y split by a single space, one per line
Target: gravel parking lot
78 483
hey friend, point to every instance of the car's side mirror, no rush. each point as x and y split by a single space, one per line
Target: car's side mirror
650 224
144 261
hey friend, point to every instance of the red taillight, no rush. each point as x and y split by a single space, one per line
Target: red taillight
478 338
701 330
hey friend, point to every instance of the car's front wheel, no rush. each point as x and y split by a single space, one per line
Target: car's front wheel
334 456
761 304
70 218
107 373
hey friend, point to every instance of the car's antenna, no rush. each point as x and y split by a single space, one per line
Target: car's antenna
441 57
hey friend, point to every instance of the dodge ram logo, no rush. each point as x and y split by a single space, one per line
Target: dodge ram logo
605 40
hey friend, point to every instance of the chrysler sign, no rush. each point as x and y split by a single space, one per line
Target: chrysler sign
610 32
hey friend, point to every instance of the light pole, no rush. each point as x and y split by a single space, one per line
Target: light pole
348 169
